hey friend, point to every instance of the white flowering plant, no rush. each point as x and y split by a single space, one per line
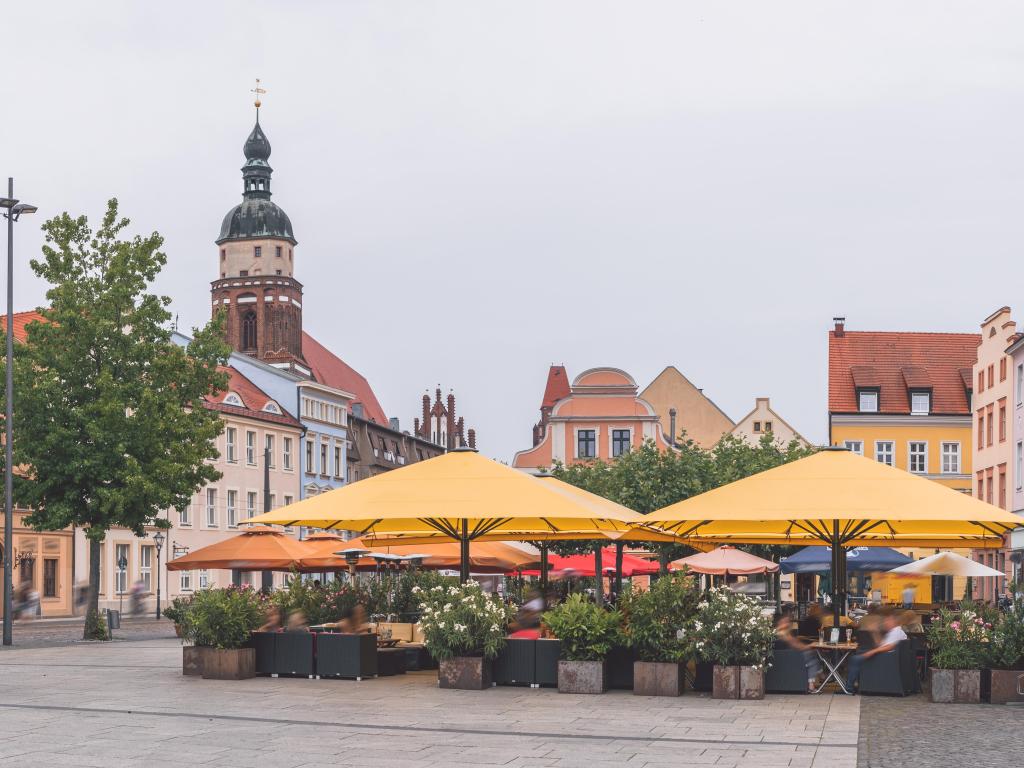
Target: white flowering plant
731 629
462 621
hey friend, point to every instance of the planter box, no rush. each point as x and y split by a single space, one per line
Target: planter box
582 676
229 664
751 683
725 682
653 678
620 667
1006 686
547 653
516 663
955 686
344 655
703 672
467 673
293 654
192 659
264 644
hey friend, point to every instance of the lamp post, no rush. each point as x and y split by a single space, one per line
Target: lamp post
158 542
13 210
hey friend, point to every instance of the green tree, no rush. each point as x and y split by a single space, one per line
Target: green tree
104 416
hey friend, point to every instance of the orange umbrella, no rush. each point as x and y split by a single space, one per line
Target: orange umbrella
259 548
485 557
726 561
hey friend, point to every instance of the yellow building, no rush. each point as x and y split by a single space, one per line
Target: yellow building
904 399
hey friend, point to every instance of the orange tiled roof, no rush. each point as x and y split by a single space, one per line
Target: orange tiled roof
894 360
557 386
255 399
21 319
331 370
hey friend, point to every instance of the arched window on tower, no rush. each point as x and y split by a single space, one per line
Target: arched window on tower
249 331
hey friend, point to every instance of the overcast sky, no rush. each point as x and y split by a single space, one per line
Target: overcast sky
480 189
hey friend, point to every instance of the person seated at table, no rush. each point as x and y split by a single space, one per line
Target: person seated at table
894 635
785 631
352 622
911 621
273 620
828 621
297 622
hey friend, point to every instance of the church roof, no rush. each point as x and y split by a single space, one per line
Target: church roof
331 370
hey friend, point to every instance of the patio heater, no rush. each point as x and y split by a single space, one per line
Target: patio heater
352 556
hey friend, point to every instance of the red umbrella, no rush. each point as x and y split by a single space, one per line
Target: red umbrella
583 565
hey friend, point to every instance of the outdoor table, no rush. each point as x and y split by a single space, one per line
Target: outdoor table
833 656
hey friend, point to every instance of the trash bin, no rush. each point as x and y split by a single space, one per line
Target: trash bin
113 619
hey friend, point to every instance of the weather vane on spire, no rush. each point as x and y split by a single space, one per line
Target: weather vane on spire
259 92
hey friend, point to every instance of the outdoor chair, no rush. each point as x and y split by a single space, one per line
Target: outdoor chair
893 673
788 671
516 663
390 661
264 644
919 643
547 651
703 676
293 654
346 655
620 667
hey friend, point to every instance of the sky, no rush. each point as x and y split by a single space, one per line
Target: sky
481 189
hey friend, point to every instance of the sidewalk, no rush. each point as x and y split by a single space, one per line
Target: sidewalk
44 633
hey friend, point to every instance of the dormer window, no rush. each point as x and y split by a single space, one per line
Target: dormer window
233 399
271 407
867 401
921 403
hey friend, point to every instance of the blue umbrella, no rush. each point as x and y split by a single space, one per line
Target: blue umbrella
818 559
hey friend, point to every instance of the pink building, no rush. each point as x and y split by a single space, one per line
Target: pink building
598 416
1016 353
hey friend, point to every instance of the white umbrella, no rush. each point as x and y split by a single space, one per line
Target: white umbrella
947 564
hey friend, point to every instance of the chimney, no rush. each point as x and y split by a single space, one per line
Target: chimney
357 410
450 425
416 427
472 439
840 326
394 424
460 429
672 426
426 418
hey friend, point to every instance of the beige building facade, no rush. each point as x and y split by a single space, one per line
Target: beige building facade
763 420
683 407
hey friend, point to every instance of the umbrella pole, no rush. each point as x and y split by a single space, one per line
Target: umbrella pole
598 575
619 546
837 553
544 567
464 553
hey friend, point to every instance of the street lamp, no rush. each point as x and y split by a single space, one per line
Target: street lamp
158 540
13 210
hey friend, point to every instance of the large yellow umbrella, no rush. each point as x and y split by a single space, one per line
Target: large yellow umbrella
838 498
461 494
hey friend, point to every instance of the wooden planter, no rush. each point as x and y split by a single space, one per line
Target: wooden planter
725 682
467 673
955 686
229 663
192 659
582 676
654 678
751 683
1006 686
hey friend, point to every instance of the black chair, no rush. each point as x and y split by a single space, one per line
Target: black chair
919 643
293 654
893 673
620 667
264 644
390 661
546 653
516 663
788 671
704 676
350 656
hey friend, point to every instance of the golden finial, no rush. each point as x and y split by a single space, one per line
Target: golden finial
258 91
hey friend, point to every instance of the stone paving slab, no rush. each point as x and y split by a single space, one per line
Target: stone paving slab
127 704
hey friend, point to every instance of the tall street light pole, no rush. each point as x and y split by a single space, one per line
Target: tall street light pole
13 210
158 540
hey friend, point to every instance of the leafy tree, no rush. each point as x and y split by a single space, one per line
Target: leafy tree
103 411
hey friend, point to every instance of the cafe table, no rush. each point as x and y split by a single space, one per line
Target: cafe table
833 656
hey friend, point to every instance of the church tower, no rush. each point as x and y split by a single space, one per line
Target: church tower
256 289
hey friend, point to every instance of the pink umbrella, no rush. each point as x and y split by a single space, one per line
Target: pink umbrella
725 561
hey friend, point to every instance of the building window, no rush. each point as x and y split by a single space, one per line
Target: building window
1020 384
232 509
273 502
621 441
249 331
951 458
991 375
919 457
989 426
757 426
324 469
310 468
884 452
1002 369
204 579
981 428
586 444
1020 465
1002 487
855 446
337 461
223 254
146 568
211 507
250 504
243 273
277 251
920 403
288 501
981 381
186 581
184 518
286 452
257 251
1002 422
270 450
231 437
990 482
121 566
981 486
868 401
250 448
49 577
767 426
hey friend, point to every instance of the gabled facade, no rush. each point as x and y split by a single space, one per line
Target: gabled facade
763 420
682 406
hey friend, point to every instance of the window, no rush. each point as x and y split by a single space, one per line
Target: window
868 401
1002 487
989 426
286 452
231 437
204 579
250 504
856 446
1020 464
121 572
1002 422
981 381
232 509
991 376
146 568
920 403
211 507
243 273
184 518
981 486
586 444
919 457
767 426
270 450
49 577
1002 369
186 581
273 501
249 331
257 251
277 251
757 426
223 254
621 441
250 448
951 458
981 428
884 452
337 461
1020 384
287 500
988 488
323 457
310 468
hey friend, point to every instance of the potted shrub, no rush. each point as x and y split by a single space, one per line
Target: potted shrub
464 628
958 641
731 631
219 622
1003 680
657 627
177 612
586 632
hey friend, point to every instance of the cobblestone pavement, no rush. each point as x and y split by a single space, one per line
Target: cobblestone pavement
127 704
52 632
914 733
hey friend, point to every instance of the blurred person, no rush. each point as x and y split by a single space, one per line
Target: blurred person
911 621
785 630
909 596
526 624
135 598
272 618
297 622
894 635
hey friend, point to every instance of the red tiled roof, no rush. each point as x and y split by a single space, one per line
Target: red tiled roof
255 399
557 386
939 359
331 370
865 376
21 319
